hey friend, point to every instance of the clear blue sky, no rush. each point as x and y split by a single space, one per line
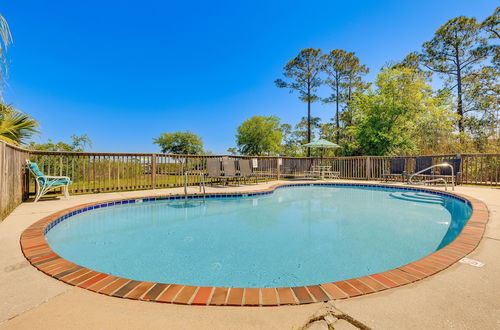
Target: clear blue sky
123 72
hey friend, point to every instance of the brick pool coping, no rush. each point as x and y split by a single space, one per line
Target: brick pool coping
38 252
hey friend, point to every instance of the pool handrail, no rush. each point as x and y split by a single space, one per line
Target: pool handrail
202 182
410 181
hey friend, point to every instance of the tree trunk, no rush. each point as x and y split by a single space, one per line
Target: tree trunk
349 99
348 121
309 123
308 117
460 110
337 137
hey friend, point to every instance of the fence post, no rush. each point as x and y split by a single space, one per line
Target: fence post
368 168
279 161
60 165
153 170
26 180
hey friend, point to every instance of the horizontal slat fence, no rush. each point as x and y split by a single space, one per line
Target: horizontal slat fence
103 172
98 172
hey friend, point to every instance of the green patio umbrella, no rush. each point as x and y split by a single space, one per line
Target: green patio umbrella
323 144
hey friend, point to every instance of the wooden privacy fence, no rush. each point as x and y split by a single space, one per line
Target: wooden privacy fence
102 172
13 182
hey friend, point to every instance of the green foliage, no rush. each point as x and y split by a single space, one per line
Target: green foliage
180 143
455 52
412 61
434 124
459 39
482 92
259 135
344 75
303 73
328 131
16 126
78 144
290 147
300 132
479 131
491 24
402 110
294 139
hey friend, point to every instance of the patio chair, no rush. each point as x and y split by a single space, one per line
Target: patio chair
245 169
229 169
260 170
44 183
214 169
422 163
396 170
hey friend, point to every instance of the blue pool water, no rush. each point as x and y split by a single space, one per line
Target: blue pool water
295 236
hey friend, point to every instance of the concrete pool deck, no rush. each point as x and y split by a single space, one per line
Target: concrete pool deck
461 296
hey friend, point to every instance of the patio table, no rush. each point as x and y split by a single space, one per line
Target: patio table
322 171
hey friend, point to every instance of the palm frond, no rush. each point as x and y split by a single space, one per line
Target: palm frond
16 126
5 41
5 36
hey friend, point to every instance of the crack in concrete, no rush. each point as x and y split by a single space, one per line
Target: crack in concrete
331 314
33 307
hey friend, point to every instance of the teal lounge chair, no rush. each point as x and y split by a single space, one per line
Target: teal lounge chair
44 183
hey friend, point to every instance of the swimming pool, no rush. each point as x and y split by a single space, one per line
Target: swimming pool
294 236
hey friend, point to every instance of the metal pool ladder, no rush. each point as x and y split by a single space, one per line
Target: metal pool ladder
202 182
410 181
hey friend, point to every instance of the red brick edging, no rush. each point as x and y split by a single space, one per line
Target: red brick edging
36 249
